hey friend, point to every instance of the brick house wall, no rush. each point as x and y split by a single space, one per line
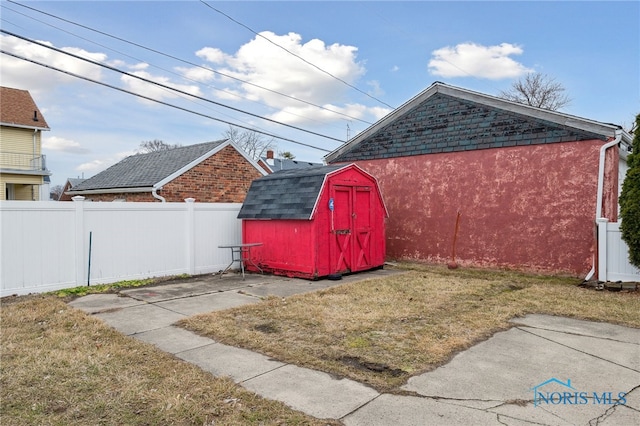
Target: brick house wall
224 177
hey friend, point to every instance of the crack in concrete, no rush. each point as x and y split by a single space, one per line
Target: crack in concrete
361 406
519 326
578 350
611 410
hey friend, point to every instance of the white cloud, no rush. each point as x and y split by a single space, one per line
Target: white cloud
156 92
139 66
375 90
96 166
474 60
307 115
264 64
22 74
212 54
199 74
55 143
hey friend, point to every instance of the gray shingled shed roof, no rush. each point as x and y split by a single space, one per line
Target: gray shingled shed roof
146 170
289 194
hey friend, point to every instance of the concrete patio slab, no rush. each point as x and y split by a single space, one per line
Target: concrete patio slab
510 364
189 306
173 339
619 352
580 327
312 392
228 361
409 411
514 414
189 288
96 303
139 318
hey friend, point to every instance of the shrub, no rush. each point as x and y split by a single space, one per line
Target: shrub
630 200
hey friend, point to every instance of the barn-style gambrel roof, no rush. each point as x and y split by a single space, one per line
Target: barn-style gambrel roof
445 118
289 194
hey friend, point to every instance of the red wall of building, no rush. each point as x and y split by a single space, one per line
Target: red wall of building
529 208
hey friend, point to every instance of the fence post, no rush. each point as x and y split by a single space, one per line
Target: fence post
79 241
191 237
602 248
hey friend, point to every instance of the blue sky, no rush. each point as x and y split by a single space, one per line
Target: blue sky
380 55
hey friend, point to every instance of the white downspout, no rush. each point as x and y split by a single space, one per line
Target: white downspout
155 194
603 150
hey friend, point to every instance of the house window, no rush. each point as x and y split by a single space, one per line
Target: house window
9 192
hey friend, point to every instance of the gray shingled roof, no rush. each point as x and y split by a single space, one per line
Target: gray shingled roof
73 182
444 118
280 164
288 194
446 124
145 170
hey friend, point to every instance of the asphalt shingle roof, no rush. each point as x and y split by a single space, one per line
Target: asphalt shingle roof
17 107
280 164
445 118
444 123
145 170
288 194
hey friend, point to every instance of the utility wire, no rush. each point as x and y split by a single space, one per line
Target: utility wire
165 86
156 100
162 69
297 56
187 62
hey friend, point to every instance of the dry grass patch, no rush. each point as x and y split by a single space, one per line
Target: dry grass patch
60 367
382 331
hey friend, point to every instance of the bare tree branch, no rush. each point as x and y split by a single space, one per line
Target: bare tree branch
254 144
538 90
155 145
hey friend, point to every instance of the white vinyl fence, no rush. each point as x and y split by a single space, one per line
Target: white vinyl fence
54 245
613 254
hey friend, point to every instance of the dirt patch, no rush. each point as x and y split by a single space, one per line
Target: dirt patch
371 366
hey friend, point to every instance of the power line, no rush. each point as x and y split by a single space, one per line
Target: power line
134 58
156 100
297 56
181 60
165 86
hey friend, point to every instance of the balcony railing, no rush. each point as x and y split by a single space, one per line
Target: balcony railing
22 161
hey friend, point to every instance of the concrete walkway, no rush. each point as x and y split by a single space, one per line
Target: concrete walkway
544 371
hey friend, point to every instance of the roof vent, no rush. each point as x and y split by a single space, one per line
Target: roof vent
35 116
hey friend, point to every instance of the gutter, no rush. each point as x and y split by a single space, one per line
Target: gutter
603 150
120 191
156 196
109 191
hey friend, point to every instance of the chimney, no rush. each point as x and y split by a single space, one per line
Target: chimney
35 116
270 160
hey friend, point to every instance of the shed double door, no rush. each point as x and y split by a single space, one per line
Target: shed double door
350 248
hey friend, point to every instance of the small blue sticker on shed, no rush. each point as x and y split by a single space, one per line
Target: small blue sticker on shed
331 204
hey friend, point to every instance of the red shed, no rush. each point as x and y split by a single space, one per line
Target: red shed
315 222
